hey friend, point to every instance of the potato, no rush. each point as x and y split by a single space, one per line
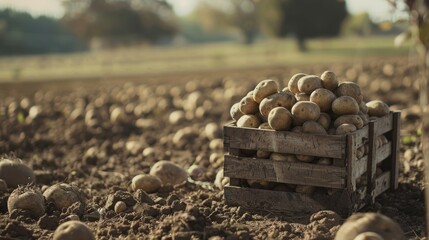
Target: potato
249 121
324 120
309 83
313 127
364 117
377 108
221 181
265 125
345 128
305 111
265 88
283 157
262 154
323 98
304 158
120 206
212 131
293 82
280 119
196 172
351 119
63 195
146 182
345 105
329 80
368 236
305 189
363 108
370 222
72 230
302 97
350 89
169 173
324 161
14 173
297 129
27 198
281 99
235 111
248 105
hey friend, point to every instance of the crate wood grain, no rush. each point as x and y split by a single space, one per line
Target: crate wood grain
341 177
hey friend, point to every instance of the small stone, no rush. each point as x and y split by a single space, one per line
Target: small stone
178 205
142 197
120 206
124 196
48 222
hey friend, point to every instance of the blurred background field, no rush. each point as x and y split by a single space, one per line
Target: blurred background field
49 40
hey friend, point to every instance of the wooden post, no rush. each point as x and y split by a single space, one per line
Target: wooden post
396 138
371 164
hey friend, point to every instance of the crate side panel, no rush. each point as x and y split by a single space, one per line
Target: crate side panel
361 164
382 183
383 125
284 172
285 142
287 202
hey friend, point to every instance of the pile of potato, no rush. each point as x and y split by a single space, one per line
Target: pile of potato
309 104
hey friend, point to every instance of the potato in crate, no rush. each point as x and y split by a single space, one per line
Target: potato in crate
290 154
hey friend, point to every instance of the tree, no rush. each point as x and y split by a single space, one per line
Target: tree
117 22
305 18
20 33
229 15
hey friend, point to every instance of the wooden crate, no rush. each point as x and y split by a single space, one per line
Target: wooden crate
342 175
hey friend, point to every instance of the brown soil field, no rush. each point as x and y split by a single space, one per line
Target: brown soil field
66 131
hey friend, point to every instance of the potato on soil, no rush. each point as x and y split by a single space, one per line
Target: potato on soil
345 105
329 80
235 111
281 99
248 105
280 119
265 88
221 181
351 119
146 182
313 127
62 195
323 98
309 83
169 173
345 128
27 198
302 97
305 111
377 108
368 236
370 222
196 172
293 82
15 173
349 89
249 121
72 230
324 120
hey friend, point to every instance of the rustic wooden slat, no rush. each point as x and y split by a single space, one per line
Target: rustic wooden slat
288 202
395 150
351 161
284 172
361 136
286 142
382 183
383 125
361 164
371 163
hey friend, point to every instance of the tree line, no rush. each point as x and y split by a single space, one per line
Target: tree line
111 23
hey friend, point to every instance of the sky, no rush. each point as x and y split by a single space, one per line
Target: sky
378 9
